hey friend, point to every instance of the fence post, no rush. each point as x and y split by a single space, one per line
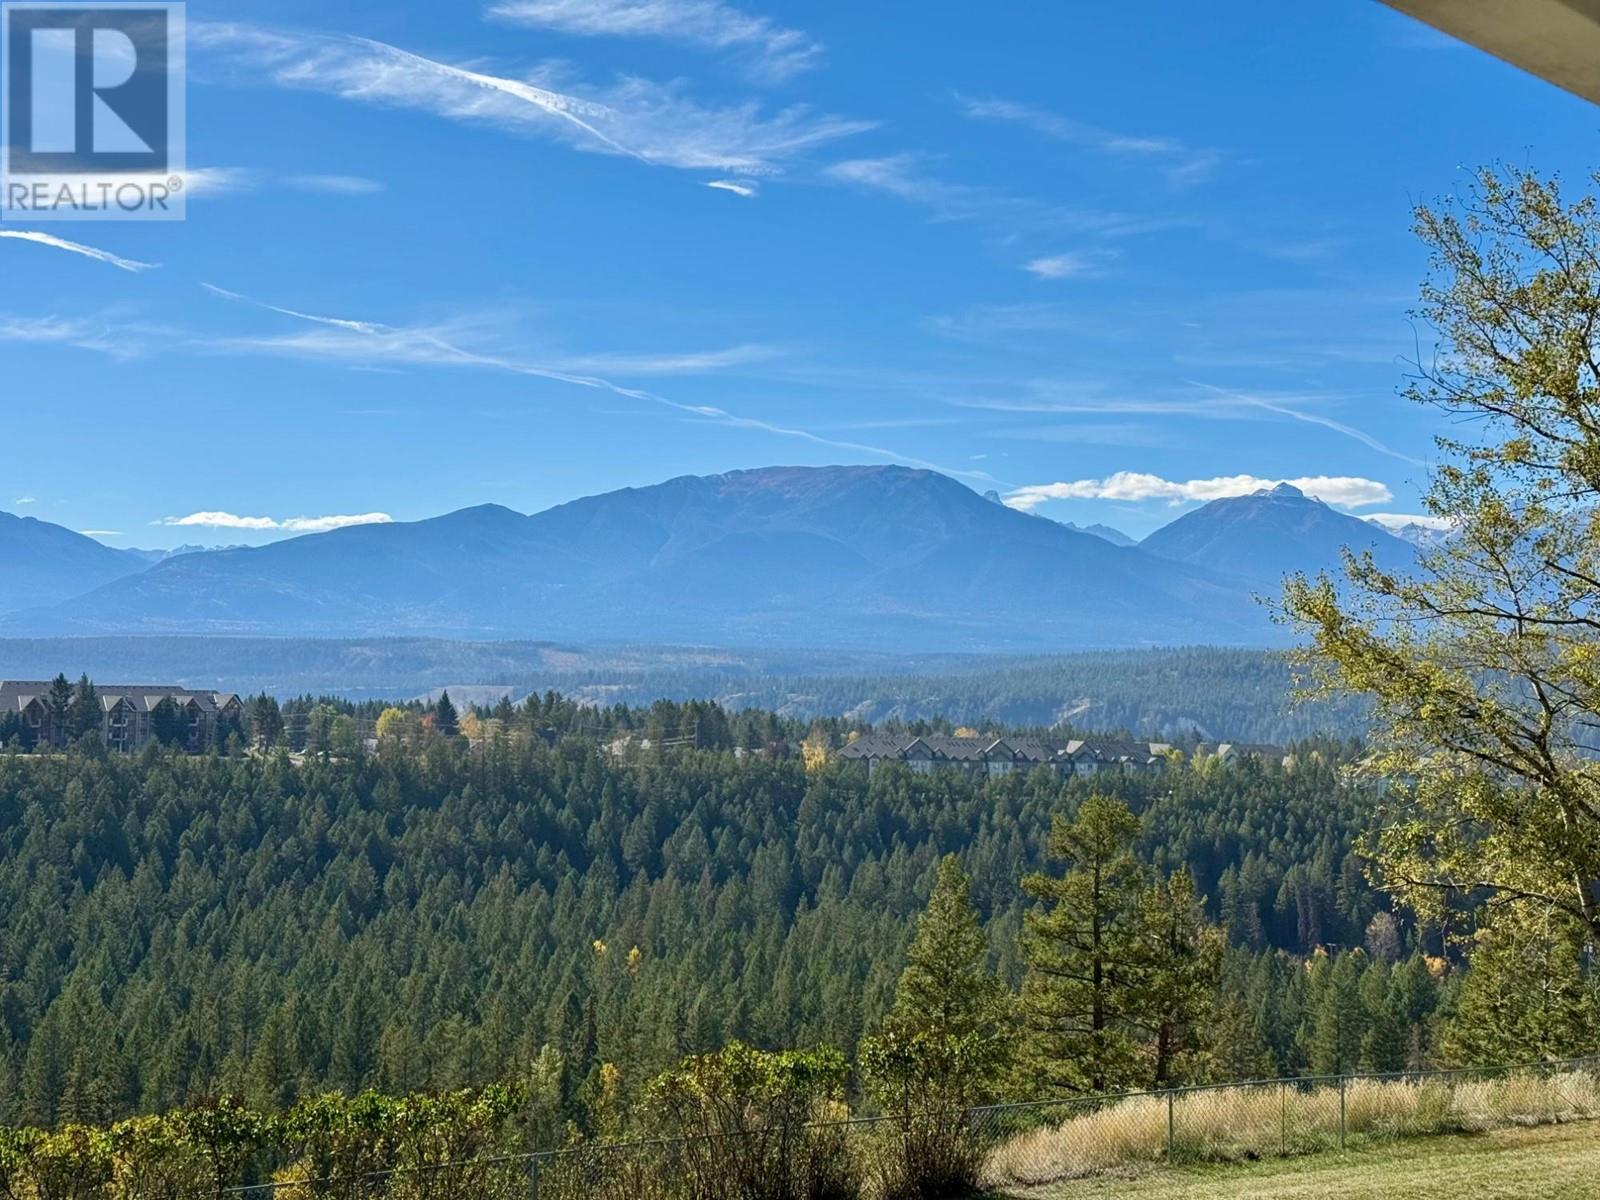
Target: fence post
1341 1112
535 1166
1170 1123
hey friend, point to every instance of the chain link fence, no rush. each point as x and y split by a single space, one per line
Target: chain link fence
1008 1148
1029 1145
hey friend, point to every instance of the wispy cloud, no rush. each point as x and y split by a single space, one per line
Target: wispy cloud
1284 410
104 256
986 322
652 123
21 500
1062 266
101 533
210 183
371 343
693 363
748 190
904 176
117 339
914 178
1204 402
335 185
43 329
1343 490
1093 433
1181 164
770 50
227 520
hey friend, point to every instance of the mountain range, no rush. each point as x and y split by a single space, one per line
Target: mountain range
883 556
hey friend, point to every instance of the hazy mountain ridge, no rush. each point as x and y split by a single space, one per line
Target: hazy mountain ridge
155 556
885 557
43 564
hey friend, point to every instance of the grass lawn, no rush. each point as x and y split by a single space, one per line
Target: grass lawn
1556 1162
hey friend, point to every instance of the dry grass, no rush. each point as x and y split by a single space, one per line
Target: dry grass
1254 1122
1560 1162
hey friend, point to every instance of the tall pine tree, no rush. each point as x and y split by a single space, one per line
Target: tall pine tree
1082 947
1180 964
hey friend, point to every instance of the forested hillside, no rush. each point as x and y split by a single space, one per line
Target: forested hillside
1209 692
435 914
1214 692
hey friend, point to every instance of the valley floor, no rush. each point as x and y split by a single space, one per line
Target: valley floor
1560 1162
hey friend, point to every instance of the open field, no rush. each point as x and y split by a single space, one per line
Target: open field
1557 1162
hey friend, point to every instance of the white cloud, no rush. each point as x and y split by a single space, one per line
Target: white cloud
101 533
653 123
1421 520
1181 164
747 190
48 239
1343 490
21 500
227 520
1060 266
776 52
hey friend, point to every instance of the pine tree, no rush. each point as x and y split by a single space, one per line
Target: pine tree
58 710
1386 1041
1179 960
944 1045
445 720
266 722
1338 1021
84 717
167 723
45 1071
949 1005
947 985
1082 981
1529 993
354 1051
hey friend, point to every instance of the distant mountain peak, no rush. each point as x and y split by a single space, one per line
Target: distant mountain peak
1271 533
1104 532
993 497
42 563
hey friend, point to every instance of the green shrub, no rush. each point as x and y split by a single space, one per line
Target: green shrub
744 1116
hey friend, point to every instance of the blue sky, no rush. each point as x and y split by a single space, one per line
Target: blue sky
518 252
